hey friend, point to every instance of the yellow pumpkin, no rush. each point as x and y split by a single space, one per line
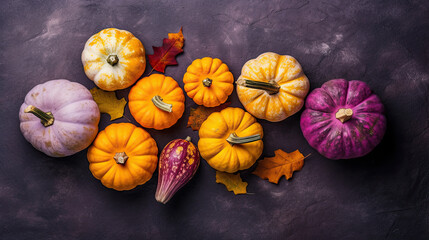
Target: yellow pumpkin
208 82
230 140
123 156
156 102
114 59
272 86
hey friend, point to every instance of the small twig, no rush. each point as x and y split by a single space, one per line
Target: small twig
149 72
127 118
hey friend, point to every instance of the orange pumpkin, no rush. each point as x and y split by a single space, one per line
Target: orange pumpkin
272 86
123 156
230 140
208 82
156 101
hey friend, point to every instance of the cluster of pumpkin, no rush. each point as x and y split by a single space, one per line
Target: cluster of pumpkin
342 119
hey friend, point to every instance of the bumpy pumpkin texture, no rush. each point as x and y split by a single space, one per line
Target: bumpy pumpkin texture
156 102
208 82
123 156
59 117
343 119
114 59
272 86
178 163
230 140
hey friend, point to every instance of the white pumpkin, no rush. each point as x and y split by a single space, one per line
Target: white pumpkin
114 59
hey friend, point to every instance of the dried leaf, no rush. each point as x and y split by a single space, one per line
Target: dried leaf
272 168
177 38
232 182
166 55
200 114
108 103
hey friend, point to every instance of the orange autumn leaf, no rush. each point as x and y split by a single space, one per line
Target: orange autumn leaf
177 38
200 114
282 164
166 54
233 182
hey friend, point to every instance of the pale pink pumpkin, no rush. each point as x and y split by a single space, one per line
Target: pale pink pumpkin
59 118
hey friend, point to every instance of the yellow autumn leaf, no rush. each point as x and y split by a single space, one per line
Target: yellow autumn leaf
108 103
282 164
232 182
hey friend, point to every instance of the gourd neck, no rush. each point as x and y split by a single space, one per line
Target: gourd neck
121 158
46 118
207 82
270 87
112 59
234 139
158 102
344 114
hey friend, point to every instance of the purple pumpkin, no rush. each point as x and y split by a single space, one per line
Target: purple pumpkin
178 163
343 119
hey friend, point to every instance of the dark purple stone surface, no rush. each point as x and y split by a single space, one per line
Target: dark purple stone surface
384 195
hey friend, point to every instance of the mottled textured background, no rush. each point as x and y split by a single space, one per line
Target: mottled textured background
384 195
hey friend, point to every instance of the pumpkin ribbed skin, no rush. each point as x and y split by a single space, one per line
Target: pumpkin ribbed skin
358 134
75 113
218 152
282 70
139 147
130 53
219 85
144 110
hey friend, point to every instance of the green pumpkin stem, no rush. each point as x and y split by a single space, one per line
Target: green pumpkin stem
46 118
207 82
112 59
157 101
234 139
121 158
271 87
344 114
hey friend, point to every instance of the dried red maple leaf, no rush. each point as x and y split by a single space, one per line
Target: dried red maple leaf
200 114
283 163
166 55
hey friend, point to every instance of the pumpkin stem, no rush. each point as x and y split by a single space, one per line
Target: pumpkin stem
157 101
188 138
207 82
121 158
271 87
46 118
344 114
112 59
234 139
